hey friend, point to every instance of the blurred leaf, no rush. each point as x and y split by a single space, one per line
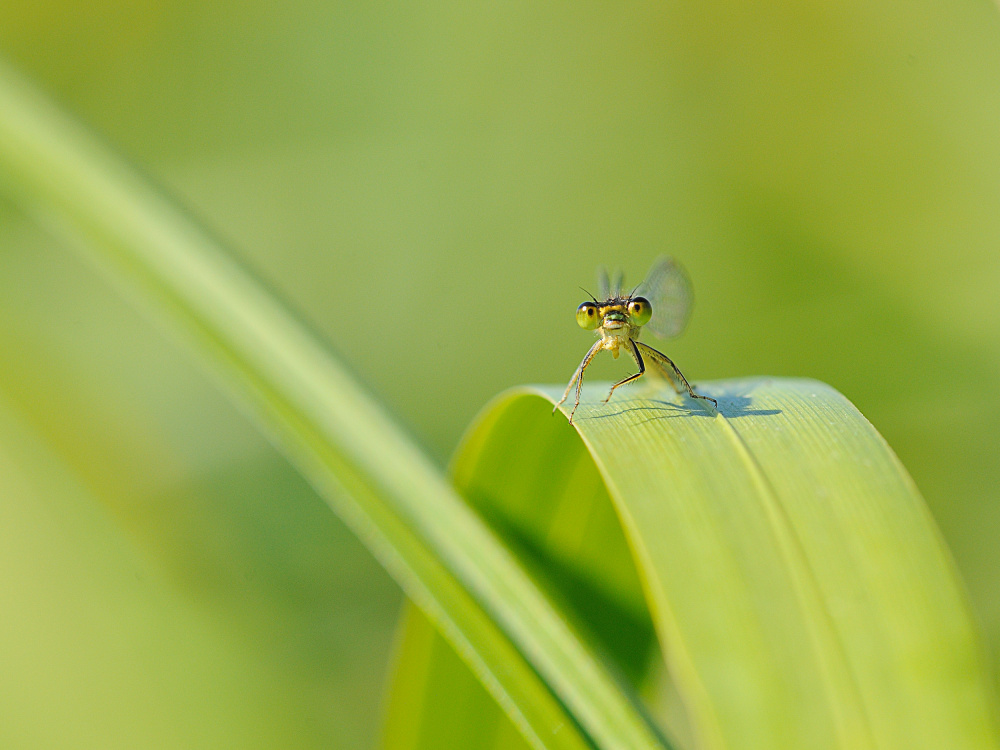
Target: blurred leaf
227 529
402 508
799 589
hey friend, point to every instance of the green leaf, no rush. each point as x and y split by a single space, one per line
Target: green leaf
799 589
398 503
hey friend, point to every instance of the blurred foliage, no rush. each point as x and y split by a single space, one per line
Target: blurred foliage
429 183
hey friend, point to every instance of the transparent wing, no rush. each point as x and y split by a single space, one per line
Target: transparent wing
668 290
616 283
609 287
603 284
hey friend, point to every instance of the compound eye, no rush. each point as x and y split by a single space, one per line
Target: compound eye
587 316
640 311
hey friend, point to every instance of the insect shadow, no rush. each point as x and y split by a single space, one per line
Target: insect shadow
731 406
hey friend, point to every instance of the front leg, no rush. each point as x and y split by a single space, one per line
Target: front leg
670 369
578 379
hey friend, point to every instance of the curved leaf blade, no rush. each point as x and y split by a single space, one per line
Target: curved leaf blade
828 589
801 593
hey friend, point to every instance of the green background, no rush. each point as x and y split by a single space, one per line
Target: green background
428 184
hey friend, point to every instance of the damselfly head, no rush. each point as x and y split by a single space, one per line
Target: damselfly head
614 314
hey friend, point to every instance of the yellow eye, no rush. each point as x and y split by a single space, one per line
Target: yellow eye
587 316
640 311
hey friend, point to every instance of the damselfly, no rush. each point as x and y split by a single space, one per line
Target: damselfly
660 304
